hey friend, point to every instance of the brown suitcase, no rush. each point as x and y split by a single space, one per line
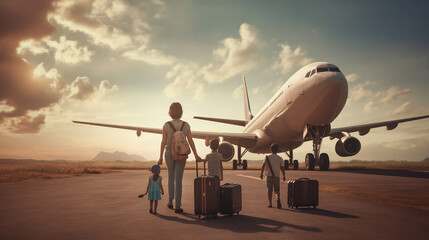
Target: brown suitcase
206 195
303 192
230 198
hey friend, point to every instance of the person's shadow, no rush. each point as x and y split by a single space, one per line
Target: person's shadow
321 212
238 223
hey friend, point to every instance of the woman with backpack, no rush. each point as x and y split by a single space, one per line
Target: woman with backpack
173 144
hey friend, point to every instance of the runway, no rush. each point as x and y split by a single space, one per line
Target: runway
106 206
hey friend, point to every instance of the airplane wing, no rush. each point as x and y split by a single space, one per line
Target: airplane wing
365 128
246 140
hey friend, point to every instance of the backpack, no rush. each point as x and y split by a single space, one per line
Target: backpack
179 146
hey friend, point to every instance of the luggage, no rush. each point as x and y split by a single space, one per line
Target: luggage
303 192
230 198
206 195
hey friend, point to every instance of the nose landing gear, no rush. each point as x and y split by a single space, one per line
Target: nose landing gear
239 162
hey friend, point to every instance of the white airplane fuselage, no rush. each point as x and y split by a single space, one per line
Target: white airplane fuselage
313 100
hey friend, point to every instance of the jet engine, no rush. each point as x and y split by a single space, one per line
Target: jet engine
347 146
227 151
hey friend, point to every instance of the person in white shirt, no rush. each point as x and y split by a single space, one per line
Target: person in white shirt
271 167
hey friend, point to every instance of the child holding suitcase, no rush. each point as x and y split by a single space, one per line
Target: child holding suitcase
154 188
271 167
214 160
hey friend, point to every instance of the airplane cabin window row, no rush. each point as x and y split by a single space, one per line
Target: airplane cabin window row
322 69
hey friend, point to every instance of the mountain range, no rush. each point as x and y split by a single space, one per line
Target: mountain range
117 156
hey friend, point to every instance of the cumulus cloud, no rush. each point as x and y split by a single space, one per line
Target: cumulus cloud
186 78
382 98
237 55
288 59
100 20
360 92
67 51
238 92
20 93
32 46
82 89
27 124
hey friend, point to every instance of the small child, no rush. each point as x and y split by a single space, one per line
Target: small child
154 188
272 166
214 160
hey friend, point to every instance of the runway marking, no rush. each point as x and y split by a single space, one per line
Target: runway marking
247 176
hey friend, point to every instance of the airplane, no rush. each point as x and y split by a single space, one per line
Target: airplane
301 110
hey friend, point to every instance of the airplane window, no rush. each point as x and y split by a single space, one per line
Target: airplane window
313 72
308 74
324 69
334 69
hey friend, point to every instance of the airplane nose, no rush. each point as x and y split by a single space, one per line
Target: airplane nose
329 94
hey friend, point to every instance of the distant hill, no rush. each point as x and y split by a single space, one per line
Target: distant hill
117 156
426 159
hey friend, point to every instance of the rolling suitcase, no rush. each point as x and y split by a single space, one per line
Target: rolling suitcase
206 194
230 198
303 192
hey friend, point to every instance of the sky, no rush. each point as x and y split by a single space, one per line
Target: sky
124 62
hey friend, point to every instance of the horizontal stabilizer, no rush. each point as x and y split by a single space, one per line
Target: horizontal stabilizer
227 121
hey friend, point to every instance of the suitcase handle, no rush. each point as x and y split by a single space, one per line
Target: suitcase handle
196 161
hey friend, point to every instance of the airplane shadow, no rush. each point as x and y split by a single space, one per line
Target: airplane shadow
321 212
238 223
388 172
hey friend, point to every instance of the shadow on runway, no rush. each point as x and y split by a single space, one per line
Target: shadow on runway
388 172
321 212
238 223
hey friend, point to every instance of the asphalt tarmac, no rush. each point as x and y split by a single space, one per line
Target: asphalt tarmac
106 206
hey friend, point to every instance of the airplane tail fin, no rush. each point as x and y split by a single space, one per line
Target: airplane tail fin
247 112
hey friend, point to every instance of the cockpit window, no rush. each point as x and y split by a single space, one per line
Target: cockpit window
334 69
322 69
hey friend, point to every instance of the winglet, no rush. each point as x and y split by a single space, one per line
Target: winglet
247 112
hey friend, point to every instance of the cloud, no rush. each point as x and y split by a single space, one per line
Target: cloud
100 20
360 92
404 109
32 46
352 77
237 55
66 51
20 92
382 98
289 59
151 56
27 124
187 78
82 89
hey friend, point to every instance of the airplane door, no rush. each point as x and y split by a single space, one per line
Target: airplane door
289 94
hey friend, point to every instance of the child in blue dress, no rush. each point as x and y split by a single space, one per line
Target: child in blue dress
154 188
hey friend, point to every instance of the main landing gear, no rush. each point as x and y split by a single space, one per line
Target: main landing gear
239 163
317 159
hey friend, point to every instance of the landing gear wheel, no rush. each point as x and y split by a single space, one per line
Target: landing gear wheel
286 165
310 162
324 162
244 164
234 164
295 164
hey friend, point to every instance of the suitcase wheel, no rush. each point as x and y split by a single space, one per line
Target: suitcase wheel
199 216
